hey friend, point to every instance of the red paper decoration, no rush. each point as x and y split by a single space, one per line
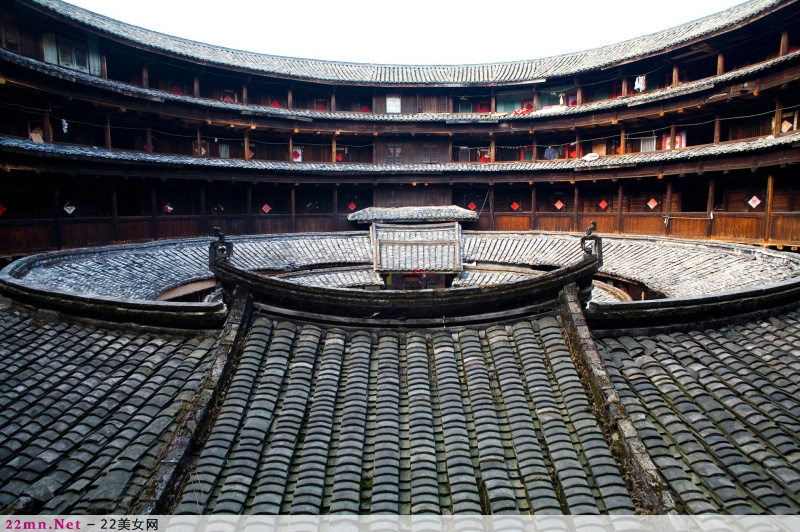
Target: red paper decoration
177 90
754 202
652 203
471 206
250 154
365 109
485 159
296 154
529 107
321 108
559 205
276 103
2 209
603 204
352 206
515 206
339 157
168 208
266 208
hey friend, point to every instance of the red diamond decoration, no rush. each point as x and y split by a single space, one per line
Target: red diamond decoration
754 202
514 206
266 208
2 209
339 157
559 205
276 103
652 203
471 206
603 204
296 154
365 109
352 206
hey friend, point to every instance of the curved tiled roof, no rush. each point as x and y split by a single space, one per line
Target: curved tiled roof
412 214
333 71
101 154
673 267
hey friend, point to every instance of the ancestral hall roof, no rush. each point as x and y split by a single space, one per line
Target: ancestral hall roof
444 213
408 248
494 73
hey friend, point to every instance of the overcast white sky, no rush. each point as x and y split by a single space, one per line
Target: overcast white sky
407 31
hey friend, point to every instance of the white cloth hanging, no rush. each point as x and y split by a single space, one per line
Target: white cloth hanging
640 84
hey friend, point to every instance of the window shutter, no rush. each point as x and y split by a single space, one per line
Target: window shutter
426 154
95 60
49 47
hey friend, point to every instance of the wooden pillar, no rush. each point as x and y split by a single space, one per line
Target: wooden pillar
710 207
58 230
103 68
776 128
148 139
249 206
578 153
493 103
535 99
246 144
533 208
784 48
667 209
145 77
619 209
114 213
196 89
492 148
333 101
579 96
720 64
154 211
244 93
203 224
625 86
535 150
293 211
336 207
576 201
333 150
107 131
672 137
768 209
47 128
675 76
291 149
717 129
622 141
289 99
491 207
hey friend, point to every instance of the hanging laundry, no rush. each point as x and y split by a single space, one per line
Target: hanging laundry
549 153
64 125
640 84
561 99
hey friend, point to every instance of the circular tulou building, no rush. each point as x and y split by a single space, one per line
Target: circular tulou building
554 286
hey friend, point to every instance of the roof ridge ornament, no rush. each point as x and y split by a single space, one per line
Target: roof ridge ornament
219 249
597 248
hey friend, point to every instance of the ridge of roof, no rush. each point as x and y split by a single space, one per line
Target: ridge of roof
369 73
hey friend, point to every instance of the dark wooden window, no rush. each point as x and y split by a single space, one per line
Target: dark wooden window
393 103
430 153
73 55
394 153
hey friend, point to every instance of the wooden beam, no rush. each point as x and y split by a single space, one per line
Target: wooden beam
720 64
196 89
533 208
622 139
784 48
579 96
145 77
293 211
776 126
114 213
675 76
204 229
249 206
291 149
619 209
107 131
768 208
710 207
625 86
47 128
492 147
717 129
246 145
535 150
333 101
535 99
333 150
576 200
672 137
667 209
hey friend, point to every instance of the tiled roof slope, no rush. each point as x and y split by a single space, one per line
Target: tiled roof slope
129 89
101 154
405 248
332 71
718 410
480 421
413 214
144 271
87 413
